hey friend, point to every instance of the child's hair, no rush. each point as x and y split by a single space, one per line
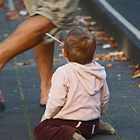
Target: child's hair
79 46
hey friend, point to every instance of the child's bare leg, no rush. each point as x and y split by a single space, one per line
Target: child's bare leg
106 127
44 59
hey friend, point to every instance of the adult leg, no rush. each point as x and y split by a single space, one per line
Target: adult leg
27 35
44 60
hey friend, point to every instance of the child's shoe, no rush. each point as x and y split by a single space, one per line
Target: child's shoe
2 102
77 136
106 127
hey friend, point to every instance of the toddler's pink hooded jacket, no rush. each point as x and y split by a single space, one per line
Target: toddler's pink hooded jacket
78 92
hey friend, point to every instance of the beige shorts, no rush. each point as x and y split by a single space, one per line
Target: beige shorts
60 12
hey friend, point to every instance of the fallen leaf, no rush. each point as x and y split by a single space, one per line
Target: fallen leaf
12 15
93 23
103 57
112 56
136 73
23 63
139 85
84 20
109 65
134 66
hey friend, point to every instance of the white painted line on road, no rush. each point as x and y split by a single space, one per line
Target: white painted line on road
124 21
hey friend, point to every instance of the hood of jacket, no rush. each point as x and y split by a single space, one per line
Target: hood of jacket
91 76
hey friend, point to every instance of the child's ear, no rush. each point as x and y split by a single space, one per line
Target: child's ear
64 53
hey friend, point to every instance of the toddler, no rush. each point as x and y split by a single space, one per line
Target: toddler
78 95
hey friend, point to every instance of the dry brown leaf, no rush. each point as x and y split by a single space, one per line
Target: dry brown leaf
112 56
110 65
135 71
80 20
112 42
134 66
104 57
136 74
84 21
93 23
23 63
118 56
12 15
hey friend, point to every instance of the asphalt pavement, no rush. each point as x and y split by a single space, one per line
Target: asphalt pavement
19 81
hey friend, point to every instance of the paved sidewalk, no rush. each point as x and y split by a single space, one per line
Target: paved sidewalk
20 84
